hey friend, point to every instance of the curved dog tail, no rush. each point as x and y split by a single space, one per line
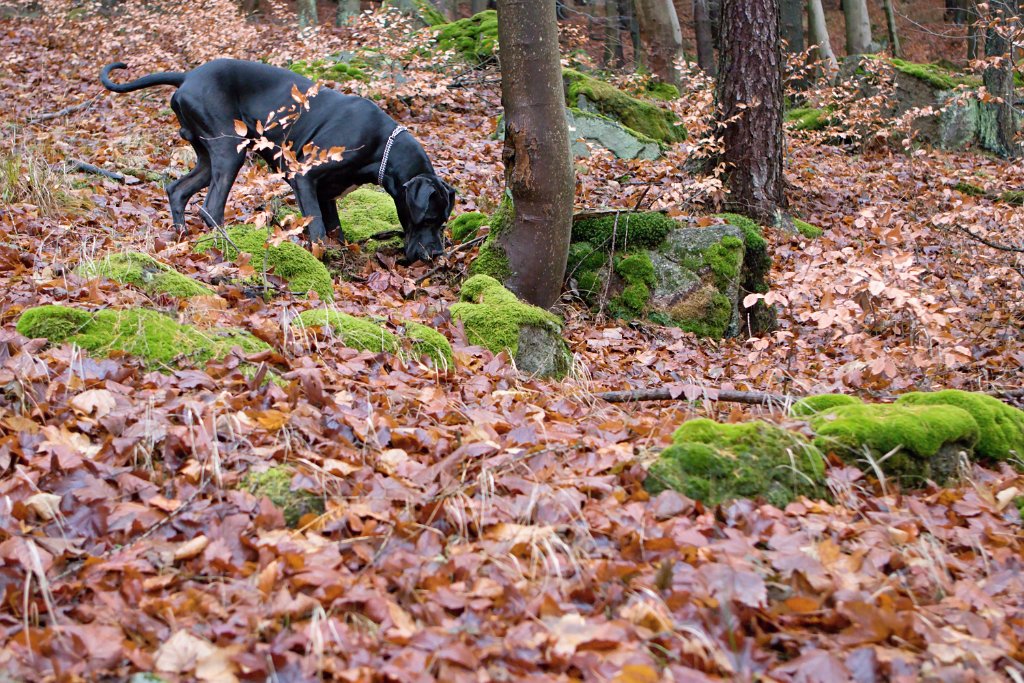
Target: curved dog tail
174 78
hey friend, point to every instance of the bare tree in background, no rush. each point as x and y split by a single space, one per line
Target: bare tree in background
538 164
1003 18
858 27
890 26
705 38
346 10
818 31
750 105
792 12
306 11
659 31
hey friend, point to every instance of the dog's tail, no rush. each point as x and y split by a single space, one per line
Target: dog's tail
174 78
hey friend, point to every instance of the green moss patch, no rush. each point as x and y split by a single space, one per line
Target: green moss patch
366 212
807 230
491 259
356 333
662 91
757 265
1015 197
145 272
475 38
917 442
299 268
427 341
815 404
493 317
637 272
715 463
158 339
935 75
808 118
331 70
969 189
623 231
464 227
643 117
1001 427
276 484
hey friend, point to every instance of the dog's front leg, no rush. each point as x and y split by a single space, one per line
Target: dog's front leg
309 204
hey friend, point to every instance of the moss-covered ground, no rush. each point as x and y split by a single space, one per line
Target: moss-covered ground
145 272
464 227
624 231
1000 426
289 261
353 332
491 259
475 37
366 212
275 484
331 70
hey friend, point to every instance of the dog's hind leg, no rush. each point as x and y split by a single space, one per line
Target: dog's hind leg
184 188
225 163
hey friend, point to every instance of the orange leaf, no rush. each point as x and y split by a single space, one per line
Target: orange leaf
240 128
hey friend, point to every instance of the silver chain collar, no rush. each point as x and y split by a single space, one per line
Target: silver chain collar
387 152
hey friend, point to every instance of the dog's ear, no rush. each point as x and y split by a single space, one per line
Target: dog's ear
418 193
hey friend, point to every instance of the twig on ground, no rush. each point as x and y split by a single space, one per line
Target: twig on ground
989 243
443 265
727 395
77 165
63 112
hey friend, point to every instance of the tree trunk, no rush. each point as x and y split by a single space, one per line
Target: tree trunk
628 17
659 31
477 6
890 26
818 31
306 11
610 14
749 106
538 163
793 25
346 10
858 27
705 41
973 34
999 81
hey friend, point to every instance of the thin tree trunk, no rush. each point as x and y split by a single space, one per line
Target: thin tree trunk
306 11
346 10
793 25
750 103
629 19
890 26
659 30
477 6
610 11
999 81
973 34
858 27
538 163
818 31
705 41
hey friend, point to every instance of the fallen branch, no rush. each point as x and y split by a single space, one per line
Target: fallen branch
63 112
988 242
76 165
443 265
692 392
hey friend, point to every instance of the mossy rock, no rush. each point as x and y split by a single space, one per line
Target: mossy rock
639 277
331 70
427 13
659 90
289 261
365 212
145 272
624 231
815 404
807 230
937 76
593 95
757 265
808 118
156 338
491 259
475 38
426 341
911 443
493 317
276 484
356 333
715 463
1001 427
465 226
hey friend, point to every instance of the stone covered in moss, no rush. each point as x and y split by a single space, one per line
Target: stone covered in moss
757 264
299 268
937 76
807 230
493 317
475 38
331 69
638 275
808 118
426 341
661 91
366 212
1001 427
911 443
715 463
815 404
624 231
145 272
158 339
356 333
591 94
276 484
464 227
491 259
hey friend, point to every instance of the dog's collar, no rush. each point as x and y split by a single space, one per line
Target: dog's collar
387 151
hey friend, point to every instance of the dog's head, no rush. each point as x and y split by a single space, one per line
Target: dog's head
427 202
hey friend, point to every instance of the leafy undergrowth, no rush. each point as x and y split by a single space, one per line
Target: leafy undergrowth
477 525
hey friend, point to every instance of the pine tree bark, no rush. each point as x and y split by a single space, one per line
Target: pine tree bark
858 27
890 26
999 79
705 39
660 33
538 163
818 32
306 11
793 24
749 106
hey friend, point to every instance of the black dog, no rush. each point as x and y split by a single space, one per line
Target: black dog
209 100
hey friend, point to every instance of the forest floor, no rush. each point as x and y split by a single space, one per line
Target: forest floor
479 525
